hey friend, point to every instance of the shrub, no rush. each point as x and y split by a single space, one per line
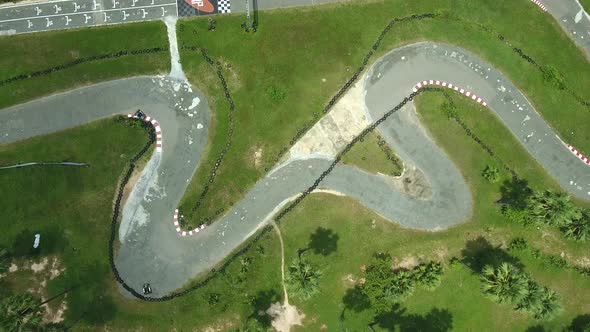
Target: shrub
275 94
552 76
492 174
428 275
518 243
578 229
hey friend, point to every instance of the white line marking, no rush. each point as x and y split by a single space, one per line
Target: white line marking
88 12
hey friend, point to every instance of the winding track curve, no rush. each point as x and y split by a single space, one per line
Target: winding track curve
151 250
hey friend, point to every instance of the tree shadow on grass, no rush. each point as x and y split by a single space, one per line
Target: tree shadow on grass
323 241
515 192
535 328
261 303
480 252
436 320
355 300
580 323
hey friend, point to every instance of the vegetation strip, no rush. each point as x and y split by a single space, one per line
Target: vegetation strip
64 163
112 55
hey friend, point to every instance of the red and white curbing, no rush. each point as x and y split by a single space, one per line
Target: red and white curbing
419 85
184 233
450 86
579 155
538 3
156 128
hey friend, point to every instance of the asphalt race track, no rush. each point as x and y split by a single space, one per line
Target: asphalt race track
151 250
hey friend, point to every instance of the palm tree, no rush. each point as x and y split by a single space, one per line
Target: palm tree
504 284
578 229
302 279
552 208
428 275
532 298
548 306
401 286
20 313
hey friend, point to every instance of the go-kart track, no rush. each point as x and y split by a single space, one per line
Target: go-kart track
151 249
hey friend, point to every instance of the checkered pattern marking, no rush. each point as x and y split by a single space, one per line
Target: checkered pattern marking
184 233
223 6
450 86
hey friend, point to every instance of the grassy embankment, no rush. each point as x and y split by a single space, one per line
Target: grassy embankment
24 54
374 155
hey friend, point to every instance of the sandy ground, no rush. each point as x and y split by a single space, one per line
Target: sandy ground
336 129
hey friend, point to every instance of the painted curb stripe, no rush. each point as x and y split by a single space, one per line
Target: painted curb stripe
157 128
579 155
450 86
541 5
180 231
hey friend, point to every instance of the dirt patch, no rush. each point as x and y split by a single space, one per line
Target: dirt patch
55 270
130 184
407 263
13 268
583 262
57 315
284 316
349 280
39 267
336 129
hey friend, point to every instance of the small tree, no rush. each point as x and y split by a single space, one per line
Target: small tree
20 313
491 173
504 284
552 208
428 275
548 306
384 287
578 229
302 280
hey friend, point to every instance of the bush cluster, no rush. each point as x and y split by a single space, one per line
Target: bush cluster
552 209
520 244
385 287
508 284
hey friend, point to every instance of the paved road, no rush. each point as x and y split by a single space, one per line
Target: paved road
572 19
57 15
68 14
151 250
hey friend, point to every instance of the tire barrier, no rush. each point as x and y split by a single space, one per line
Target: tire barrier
157 129
230 131
214 273
524 56
300 132
474 137
64 163
76 62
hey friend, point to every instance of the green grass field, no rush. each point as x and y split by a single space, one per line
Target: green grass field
59 210
316 43
373 156
23 54
328 42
